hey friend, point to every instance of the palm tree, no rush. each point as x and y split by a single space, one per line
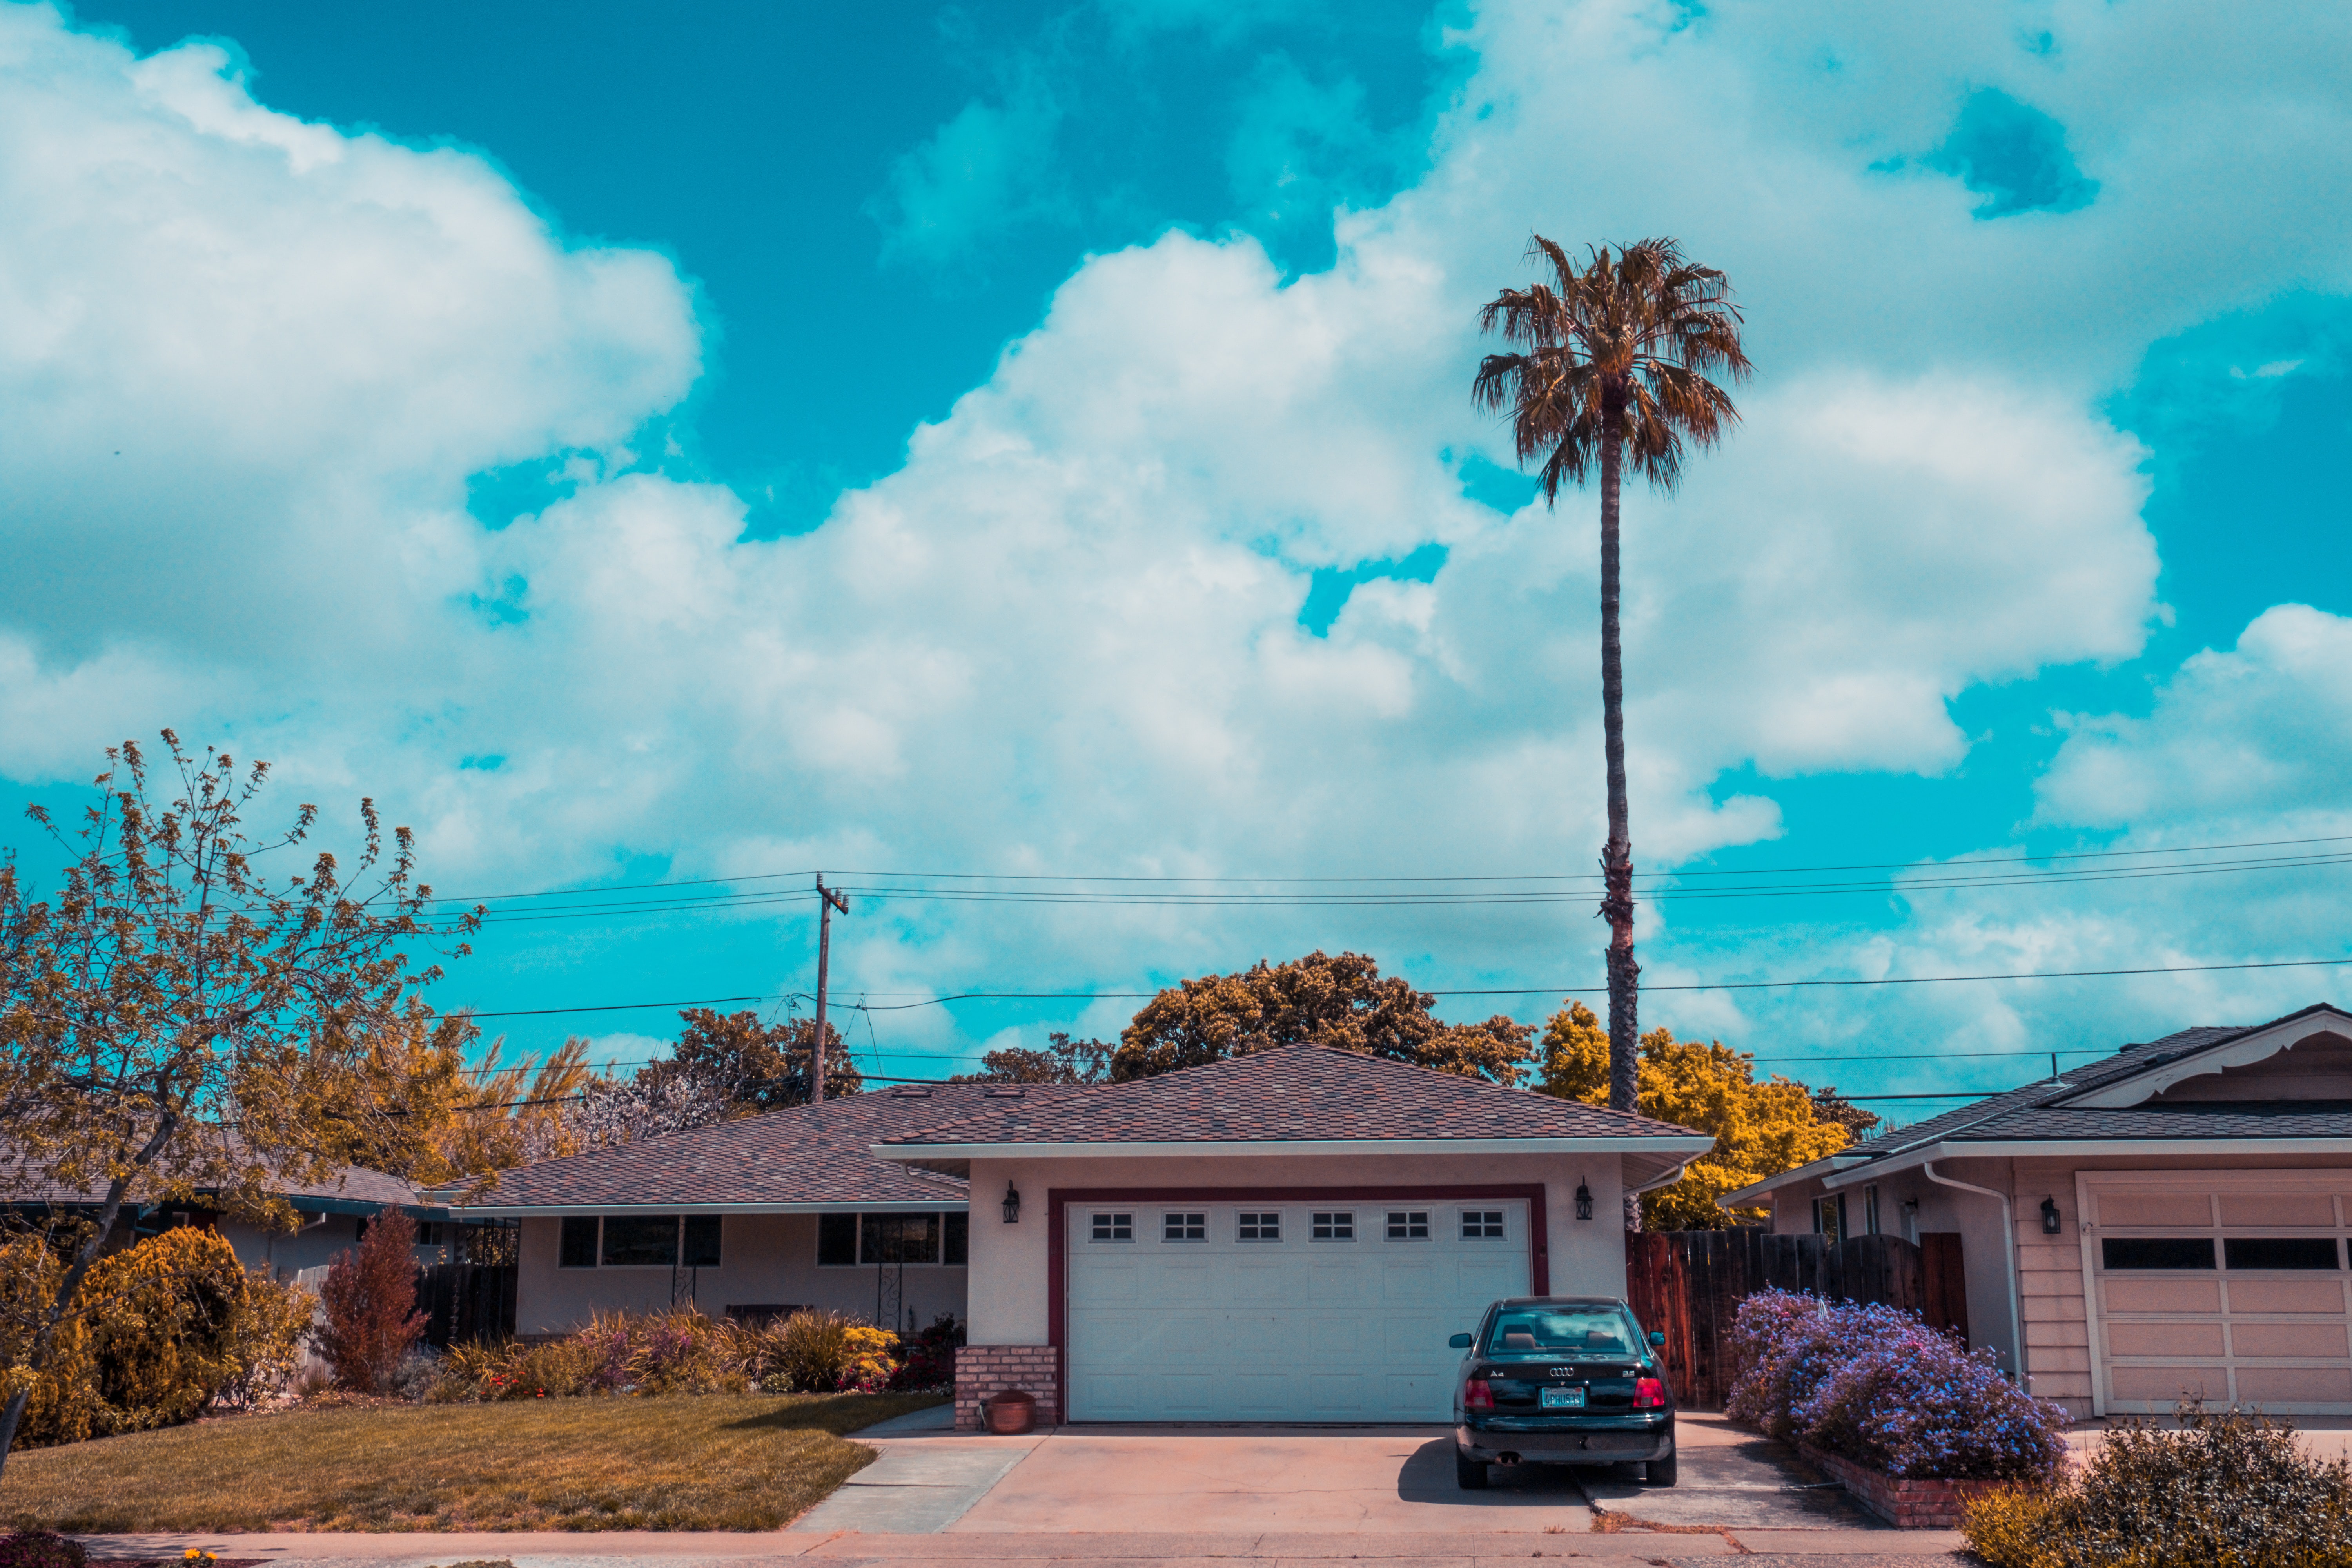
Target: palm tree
1614 360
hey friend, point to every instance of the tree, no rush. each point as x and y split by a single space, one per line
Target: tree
1831 1106
1761 1128
757 1067
370 1298
174 1023
1315 1000
1063 1061
1614 357
422 1109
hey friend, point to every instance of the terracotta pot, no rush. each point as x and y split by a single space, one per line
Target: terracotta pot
1010 1412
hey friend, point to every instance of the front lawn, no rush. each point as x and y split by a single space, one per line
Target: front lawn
673 1462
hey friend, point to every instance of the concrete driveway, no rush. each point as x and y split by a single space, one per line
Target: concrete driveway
1305 1480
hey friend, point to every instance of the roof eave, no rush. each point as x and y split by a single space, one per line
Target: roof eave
1748 1195
1687 1143
834 1206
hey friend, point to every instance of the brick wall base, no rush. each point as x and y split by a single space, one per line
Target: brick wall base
984 1370
1904 1504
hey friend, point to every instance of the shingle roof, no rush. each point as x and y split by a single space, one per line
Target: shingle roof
2042 1112
356 1183
807 1154
1295 1093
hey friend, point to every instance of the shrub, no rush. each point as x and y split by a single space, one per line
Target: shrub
809 1348
929 1357
2227 1491
682 1351
1877 1385
868 1364
39 1548
370 1294
161 1330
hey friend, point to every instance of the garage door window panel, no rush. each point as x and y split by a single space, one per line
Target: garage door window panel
1111 1227
1184 1227
2280 1252
1259 1225
1482 1224
2170 1252
1408 1224
1332 1226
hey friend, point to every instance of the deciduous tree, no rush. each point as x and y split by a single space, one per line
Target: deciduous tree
1613 360
370 1297
1320 1000
174 1022
1063 1061
1761 1128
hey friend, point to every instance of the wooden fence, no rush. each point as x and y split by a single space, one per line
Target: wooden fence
1687 1284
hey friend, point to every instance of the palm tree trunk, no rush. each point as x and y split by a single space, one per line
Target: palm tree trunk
1617 859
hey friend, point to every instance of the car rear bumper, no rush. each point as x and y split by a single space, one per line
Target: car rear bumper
1558 1445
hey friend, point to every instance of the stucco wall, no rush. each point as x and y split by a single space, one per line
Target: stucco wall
765 1260
1009 1288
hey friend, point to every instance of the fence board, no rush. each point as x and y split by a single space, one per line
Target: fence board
1688 1285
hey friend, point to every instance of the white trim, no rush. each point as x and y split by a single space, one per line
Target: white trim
2091 1305
2262 1044
1747 1196
2019 1373
2114 1148
1693 1145
556 1211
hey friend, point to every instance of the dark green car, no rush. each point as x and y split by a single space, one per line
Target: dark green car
1561 1379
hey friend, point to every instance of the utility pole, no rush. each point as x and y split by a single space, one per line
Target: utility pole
827 900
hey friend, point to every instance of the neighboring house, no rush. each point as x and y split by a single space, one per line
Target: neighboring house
752 1217
2170 1219
1288 1236
331 1217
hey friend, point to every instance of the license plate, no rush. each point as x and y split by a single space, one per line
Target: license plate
1563 1399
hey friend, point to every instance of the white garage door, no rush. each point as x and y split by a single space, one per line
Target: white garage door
2232 1286
1281 1311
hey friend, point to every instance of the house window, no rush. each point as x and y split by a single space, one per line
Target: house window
899 1238
1184 1227
578 1250
638 1241
1408 1224
1482 1224
2280 1252
836 1241
956 1239
1870 1211
1338 1226
1261 1227
1112 1227
1829 1219
2157 1251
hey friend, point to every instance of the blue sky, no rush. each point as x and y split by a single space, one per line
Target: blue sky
1034 440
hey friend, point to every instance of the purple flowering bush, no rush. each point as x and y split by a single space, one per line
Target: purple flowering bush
1879 1387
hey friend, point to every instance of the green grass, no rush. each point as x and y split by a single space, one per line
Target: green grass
675 1462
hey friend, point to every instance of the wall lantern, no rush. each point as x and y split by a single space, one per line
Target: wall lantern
1011 1204
2050 1220
1583 1200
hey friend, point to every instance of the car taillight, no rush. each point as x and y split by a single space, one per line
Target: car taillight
1477 1395
1649 1394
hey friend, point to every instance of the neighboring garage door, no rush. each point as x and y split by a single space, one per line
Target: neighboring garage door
2231 1286
1281 1311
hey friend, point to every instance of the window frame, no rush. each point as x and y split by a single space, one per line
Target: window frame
1193 1223
1259 1220
1401 1226
1103 1226
944 1236
1341 1223
1492 1225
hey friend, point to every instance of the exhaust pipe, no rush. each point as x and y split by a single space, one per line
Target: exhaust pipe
1506 1458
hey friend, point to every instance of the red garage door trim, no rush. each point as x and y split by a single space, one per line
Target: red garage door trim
1058 1199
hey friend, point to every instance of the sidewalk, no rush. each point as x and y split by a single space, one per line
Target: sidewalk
846 1549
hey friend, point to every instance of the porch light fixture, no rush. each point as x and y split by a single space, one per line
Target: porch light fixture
1011 1204
1583 1200
2050 1220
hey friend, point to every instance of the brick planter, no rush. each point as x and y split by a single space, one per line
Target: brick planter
1902 1503
982 1372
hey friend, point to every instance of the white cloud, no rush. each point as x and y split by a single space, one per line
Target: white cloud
1063 633
985 172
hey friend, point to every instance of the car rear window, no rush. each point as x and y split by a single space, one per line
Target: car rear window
1552 1332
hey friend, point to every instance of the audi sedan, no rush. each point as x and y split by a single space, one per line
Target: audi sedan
1562 1380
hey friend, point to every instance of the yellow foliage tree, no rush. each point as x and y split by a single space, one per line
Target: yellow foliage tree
409 1102
1761 1128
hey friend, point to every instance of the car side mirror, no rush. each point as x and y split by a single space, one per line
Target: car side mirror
1657 1339
1458 1343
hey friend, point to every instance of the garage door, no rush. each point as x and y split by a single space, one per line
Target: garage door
2224 1288
1281 1311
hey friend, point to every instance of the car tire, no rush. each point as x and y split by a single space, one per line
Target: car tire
1662 1471
1469 1474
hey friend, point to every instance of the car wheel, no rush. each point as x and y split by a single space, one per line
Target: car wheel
1662 1471
1469 1474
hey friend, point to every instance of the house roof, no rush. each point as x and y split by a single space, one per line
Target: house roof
2108 1101
356 1190
804 1158
1313 1096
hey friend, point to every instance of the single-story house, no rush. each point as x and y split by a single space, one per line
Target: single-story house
2170 1219
1288 1236
331 1217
